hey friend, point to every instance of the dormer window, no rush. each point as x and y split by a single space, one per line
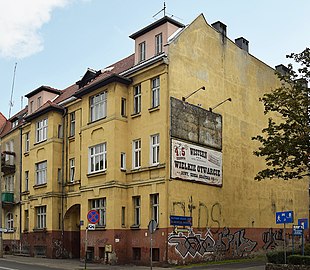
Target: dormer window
142 51
158 43
39 102
15 124
31 106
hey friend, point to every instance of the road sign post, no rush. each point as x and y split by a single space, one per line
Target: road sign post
152 228
284 218
93 217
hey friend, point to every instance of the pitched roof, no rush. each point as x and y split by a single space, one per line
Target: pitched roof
46 107
43 88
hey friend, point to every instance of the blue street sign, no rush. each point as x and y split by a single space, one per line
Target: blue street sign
297 230
284 217
180 221
303 222
93 216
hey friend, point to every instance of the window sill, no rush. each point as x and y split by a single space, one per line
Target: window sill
97 120
134 115
26 154
9 231
94 174
123 170
154 109
25 192
40 186
100 228
135 227
36 143
72 183
39 230
143 169
71 138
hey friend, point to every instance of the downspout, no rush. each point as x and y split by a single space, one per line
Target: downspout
20 187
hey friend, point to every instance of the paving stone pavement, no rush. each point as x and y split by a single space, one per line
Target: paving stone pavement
73 264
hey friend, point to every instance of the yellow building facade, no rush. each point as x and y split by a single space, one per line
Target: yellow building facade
144 139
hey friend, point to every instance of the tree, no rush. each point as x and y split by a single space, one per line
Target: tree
285 142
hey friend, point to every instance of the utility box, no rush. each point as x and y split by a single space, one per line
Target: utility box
108 248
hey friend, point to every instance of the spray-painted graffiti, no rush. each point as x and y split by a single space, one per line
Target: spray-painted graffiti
193 244
272 239
60 251
205 214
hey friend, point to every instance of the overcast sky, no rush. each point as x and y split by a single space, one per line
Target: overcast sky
53 42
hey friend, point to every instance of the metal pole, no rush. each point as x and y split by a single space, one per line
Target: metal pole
85 247
1 241
284 244
302 243
151 257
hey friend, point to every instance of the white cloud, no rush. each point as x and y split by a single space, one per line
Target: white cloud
20 22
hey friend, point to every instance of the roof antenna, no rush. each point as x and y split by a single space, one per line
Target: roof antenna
11 100
163 9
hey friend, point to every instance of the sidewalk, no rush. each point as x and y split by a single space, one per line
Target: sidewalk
73 264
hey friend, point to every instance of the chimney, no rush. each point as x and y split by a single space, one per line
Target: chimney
242 43
219 26
283 70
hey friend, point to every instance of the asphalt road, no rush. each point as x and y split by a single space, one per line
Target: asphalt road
9 265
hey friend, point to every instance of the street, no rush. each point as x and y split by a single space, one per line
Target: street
257 265
10 265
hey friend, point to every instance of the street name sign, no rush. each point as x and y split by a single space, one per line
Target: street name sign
284 217
297 230
181 221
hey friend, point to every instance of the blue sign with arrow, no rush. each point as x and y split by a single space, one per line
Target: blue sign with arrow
284 217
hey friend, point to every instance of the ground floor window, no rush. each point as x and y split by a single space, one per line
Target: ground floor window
41 217
136 254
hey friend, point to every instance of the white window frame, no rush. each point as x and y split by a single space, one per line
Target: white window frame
159 43
100 206
137 99
9 183
15 124
97 158
136 154
9 221
154 199
98 106
27 142
154 149
142 51
155 92
71 169
123 161
41 217
41 173
41 130
72 124
137 210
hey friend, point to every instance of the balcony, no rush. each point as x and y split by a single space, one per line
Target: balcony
8 162
7 197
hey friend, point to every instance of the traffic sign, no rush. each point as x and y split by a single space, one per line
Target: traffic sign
304 223
93 216
180 221
297 230
91 227
284 217
152 226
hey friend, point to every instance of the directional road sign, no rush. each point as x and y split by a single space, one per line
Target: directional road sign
304 223
284 217
93 216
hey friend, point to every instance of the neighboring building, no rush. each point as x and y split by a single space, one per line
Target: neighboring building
131 142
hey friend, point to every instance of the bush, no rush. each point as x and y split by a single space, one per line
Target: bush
298 260
307 249
276 257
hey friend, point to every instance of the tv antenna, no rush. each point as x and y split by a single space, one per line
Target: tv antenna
162 10
11 99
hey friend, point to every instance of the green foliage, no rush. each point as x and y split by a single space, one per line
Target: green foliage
276 257
298 260
307 249
285 142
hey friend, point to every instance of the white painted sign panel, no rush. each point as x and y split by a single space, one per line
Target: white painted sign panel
196 163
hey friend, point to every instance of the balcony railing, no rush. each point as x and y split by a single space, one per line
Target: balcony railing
7 197
8 162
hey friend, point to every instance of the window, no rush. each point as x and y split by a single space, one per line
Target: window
155 92
41 169
136 253
137 99
123 107
9 157
123 161
9 183
59 175
72 124
26 180
154 149
155 207
9 221
158 43
60 131
39 102
41 130
137 210
27 142
98 106
15 124
100 206
41 217
97 158
136 154
31 106
26 226
142 51
123 216
71 169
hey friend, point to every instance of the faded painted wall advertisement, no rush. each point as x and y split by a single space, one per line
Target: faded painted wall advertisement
195 163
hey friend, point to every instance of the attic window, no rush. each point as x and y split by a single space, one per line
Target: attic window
15 124
142 51
89 75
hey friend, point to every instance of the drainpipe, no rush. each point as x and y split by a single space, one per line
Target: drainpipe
20 187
